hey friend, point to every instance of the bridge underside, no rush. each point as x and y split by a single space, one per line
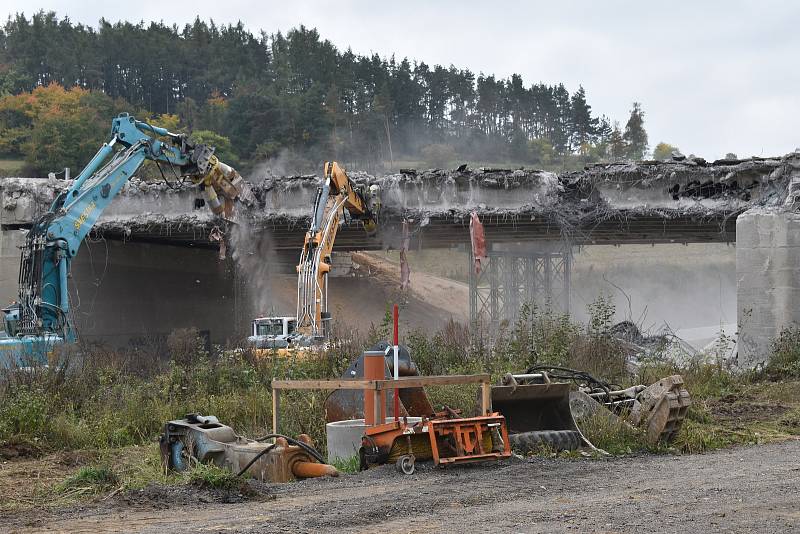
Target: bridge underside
442 232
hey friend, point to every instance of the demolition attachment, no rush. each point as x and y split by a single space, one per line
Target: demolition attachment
203 439
538 415
540 411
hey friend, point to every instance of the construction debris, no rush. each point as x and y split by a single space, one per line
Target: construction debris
542 407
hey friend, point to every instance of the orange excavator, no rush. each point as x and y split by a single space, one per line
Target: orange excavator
338 201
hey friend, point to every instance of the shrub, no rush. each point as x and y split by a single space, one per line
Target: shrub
90 479
23 412
785 359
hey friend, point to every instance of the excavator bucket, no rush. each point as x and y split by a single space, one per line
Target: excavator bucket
538 415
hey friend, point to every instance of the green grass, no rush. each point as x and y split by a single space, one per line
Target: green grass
10 167
89 480
118 412
350 465
614 435
210 476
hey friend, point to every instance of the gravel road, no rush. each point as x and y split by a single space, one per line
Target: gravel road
751 489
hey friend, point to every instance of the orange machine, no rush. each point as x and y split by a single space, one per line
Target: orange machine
445 438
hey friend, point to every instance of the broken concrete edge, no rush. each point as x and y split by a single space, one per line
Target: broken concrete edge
682 183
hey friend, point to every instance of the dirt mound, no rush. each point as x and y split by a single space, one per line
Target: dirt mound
735 409
162 497
22 449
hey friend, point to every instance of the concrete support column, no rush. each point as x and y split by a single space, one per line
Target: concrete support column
768 280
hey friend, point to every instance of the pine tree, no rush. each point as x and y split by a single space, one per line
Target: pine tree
635 135
582 125
616 143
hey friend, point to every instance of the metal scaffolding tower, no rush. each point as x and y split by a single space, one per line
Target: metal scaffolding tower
534 273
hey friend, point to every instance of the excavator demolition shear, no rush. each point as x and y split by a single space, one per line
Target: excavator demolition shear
41 320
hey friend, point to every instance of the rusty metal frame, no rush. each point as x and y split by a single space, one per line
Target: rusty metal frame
467 434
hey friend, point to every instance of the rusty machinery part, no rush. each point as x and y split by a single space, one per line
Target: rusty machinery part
344 404
304 442
464 440
661 409
445 440
537 414
203 439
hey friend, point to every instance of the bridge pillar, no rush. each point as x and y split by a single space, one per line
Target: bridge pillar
517 274
768 284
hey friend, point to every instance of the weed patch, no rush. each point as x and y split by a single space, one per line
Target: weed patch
89 480
785 360
613 435
350 465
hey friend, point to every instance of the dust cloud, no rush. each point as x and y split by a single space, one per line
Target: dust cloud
680 286
254 254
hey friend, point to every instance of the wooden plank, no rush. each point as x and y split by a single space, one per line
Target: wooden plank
403 382
486 398
323 384
275 402
378 405
422 381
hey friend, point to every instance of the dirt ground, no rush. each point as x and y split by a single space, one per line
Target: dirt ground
360 301
746 489
449 298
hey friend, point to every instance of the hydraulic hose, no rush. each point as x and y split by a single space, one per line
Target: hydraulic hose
255 458
305 446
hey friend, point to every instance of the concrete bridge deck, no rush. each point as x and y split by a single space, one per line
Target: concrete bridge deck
647 202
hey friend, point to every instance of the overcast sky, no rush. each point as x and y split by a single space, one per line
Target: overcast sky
713 77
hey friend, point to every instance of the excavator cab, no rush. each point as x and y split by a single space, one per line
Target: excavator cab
10 321
273 332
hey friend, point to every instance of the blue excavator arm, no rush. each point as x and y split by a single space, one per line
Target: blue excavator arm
42 313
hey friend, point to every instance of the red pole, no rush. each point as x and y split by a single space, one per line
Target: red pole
396 314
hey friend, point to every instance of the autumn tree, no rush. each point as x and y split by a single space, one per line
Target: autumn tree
663 151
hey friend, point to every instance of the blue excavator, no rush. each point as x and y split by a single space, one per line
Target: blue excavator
40 321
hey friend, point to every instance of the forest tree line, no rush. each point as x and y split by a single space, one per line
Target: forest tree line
293 96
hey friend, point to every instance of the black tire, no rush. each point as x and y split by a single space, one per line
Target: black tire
405 464
558 440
